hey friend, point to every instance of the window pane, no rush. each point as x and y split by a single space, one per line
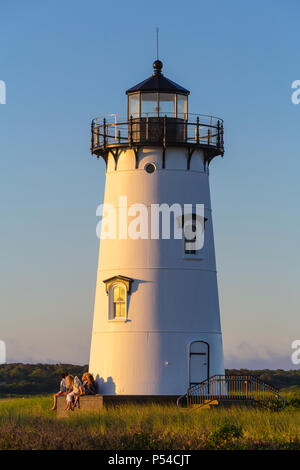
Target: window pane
181 106
122 309
117 310
122 294
167 104
116 293
189 247
149 104
134 105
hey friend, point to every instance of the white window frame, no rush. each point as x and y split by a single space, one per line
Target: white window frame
111 316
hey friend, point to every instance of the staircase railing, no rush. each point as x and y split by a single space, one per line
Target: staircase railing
239 388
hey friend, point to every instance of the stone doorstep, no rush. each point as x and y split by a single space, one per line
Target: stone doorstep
95 403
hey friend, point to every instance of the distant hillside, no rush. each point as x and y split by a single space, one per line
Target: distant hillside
278 378
32 379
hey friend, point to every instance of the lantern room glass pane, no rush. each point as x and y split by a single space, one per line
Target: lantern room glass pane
149 104
167 104
182 106
134 105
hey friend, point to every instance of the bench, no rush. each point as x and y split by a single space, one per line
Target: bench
95 403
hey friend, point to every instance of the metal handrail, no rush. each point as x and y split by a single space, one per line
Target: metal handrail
189 129
190 116
233 387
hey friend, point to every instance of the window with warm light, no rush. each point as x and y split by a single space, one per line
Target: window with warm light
118 288
118 297
118 301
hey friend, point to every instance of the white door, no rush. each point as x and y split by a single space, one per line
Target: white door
199 362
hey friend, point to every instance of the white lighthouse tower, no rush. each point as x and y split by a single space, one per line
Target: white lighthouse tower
156 328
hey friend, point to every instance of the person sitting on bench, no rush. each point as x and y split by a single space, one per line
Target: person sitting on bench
89 384
62 390
76 391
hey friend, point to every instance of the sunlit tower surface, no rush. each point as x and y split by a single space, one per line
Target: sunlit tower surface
156 328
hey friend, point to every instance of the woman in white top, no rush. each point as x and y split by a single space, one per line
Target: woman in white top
75 392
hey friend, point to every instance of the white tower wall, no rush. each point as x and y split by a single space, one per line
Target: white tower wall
174 297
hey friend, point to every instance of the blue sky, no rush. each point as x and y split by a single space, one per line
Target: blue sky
66 62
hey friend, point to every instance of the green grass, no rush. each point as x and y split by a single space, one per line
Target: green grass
29 424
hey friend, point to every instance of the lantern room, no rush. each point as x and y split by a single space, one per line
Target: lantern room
157 96
157 115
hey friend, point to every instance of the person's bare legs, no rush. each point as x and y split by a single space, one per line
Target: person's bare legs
54 402
76 401
69 403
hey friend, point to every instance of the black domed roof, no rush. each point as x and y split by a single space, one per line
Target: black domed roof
158 82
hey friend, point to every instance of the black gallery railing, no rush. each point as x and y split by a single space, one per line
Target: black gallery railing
189 129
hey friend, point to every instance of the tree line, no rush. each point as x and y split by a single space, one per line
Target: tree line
33 379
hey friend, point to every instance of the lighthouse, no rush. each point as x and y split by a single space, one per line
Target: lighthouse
156 328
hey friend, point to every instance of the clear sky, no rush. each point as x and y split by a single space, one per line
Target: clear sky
65 62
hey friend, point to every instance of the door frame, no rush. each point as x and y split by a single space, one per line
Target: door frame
190 354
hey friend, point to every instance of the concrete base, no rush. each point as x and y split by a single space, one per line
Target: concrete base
94 403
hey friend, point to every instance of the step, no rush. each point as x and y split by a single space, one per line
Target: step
207 404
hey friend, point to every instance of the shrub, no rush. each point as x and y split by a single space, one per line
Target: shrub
225 431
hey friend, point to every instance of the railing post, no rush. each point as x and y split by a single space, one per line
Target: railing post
208 136
98 136
104 132
130 131
119 136
147 127
92 136
197 131
165 130
222 135
218 135
116 131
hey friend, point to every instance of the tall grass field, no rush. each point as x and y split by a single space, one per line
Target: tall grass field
28 423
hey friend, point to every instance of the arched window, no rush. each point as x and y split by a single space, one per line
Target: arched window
118 288
119 301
